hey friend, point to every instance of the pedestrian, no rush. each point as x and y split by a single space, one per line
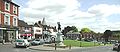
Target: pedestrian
118 48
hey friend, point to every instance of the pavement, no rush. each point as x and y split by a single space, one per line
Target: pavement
6 43
40 48
47 48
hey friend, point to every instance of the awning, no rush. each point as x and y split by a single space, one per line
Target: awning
26 34
3 28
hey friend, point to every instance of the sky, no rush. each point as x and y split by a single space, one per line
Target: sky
97 15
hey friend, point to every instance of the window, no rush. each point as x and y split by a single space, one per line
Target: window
14 22
0 18
7 20
7 6
15 10
38 30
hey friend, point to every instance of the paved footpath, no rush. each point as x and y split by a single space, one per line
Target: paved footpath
46 48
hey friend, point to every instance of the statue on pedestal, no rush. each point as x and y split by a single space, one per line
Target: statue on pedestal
59 35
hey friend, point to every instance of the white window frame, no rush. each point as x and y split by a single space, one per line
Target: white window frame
14 9
6 15
0 17
8 6
14 21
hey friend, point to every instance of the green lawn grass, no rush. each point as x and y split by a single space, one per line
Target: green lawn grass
80 43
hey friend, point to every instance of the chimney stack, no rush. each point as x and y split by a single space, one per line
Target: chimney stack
9 0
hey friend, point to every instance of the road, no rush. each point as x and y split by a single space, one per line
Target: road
11 48
95 49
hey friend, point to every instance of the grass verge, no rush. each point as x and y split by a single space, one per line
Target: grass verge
80 43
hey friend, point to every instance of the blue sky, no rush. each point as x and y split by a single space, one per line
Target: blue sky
98 15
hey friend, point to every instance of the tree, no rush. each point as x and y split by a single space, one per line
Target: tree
87 33
85 30
107 34
68 28
74 29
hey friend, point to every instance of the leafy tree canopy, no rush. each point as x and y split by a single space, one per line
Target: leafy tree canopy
107 34
68 28
85 30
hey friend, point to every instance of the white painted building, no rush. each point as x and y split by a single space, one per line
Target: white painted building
37 31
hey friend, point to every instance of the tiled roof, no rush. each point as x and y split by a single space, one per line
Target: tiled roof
21 23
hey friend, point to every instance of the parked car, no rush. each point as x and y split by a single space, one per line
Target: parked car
22 43
37 42
88 40
115 46
48 40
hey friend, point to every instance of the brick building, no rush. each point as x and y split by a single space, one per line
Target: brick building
9 13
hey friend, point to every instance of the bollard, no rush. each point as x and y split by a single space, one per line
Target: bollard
69 46
80 44
55 46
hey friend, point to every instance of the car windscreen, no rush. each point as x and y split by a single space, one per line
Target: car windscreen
116 44
37 40
19 41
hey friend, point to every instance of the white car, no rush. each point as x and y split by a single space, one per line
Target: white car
22 42
115 46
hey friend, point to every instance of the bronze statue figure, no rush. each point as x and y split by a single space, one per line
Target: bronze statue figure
59 26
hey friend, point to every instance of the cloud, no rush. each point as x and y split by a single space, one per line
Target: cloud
57 10
102 13
68 13
104 9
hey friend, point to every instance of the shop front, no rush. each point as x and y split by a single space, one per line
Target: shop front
1 34
26 36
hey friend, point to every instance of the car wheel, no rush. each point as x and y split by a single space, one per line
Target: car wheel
16 46
114 49
26 46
